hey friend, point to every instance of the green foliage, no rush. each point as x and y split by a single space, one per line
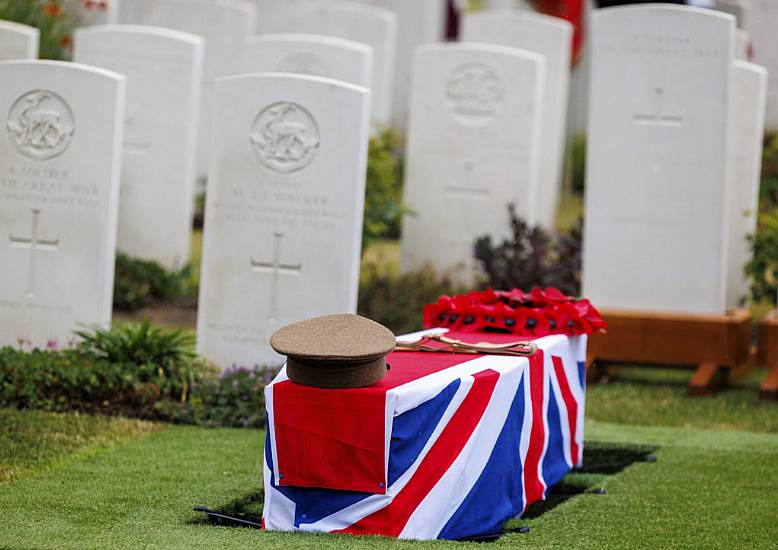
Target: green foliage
54 18
163 354
532 257
235 399
769 186
763 269
139 283
395 300
577 164
383 194
137 371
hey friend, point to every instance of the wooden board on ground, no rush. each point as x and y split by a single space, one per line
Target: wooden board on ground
716 344
768 355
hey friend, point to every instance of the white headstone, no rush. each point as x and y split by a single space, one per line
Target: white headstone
656 213
18 41
738 8
310 54
507 4
60 156
761 24
473 148
95 12
372 26
224 24
283 224
552 38
164 74
742 45
749 95
419 22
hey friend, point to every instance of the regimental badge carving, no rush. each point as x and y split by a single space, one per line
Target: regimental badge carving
475 92
40 125
303 63
284 137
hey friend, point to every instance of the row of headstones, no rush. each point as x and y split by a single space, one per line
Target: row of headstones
283 219
162 68
674 156
301 236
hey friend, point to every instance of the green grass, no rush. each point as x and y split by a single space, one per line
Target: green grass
33 440
654 396
708 489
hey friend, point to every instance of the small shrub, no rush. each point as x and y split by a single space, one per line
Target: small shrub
137 371
763 269
769 186
55 19
396 300
532 257
235 399
577 164
139 283
383 194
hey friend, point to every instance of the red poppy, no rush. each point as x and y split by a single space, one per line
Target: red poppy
538 313
51 9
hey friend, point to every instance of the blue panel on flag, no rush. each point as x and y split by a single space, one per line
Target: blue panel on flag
412 429
497 494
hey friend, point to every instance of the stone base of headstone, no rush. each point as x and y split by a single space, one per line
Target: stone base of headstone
768 355
717 345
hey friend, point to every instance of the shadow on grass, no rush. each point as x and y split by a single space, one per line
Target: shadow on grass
600 461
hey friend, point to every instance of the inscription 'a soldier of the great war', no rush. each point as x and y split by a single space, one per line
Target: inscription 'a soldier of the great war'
284 137
40 125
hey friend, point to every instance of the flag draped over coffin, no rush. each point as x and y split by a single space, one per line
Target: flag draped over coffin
447 446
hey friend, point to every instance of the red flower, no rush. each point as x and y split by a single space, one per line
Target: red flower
539 313
51 9
536 322
436 315
66 41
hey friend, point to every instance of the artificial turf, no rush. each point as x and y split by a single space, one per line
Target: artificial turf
708 489
33 440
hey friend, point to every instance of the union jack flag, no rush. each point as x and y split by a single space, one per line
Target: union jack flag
446 447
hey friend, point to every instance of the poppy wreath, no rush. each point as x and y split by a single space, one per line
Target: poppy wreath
539 312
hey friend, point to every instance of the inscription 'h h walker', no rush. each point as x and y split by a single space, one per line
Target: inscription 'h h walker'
276 268
33 243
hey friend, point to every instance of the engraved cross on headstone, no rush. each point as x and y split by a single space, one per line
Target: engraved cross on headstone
276 268
468 189
33 243
659 116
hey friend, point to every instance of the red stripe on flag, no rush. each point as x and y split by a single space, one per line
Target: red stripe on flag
391 520
533 487
570 403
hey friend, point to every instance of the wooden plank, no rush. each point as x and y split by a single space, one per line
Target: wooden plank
711 343
768 355
708 378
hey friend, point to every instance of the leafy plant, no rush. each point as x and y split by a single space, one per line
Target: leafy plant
55 19
137 371
160 356
577 164
383 194
138 283
532 257
769 185
763 269
396 300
